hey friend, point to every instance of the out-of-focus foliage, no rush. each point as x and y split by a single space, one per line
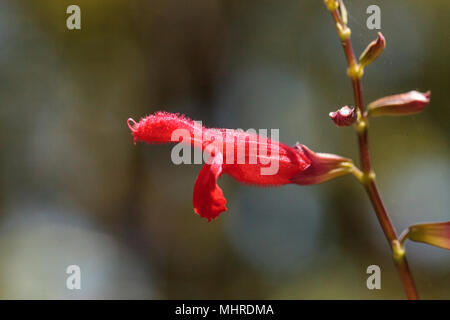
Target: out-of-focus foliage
75 190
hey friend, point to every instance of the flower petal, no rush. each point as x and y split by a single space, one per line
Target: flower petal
208 198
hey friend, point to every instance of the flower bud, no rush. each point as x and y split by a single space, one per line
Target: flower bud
400 104
435 234
373 50
324 167
343 12
343 117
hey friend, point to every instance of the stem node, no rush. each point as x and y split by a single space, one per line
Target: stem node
355 71
361 126
332 5
343 31
398 251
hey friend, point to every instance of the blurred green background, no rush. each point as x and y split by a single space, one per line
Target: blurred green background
75 190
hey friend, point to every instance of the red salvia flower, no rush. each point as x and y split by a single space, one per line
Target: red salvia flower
247 157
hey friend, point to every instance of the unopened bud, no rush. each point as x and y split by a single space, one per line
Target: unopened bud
343 12
373 50
436 234
400 104
344 117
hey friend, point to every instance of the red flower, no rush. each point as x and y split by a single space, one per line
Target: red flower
247 157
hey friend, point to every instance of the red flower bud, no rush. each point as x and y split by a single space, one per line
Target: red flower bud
436 234
260 156
373 50
344 117
400 104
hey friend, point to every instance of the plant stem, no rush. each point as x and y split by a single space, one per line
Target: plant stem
368 177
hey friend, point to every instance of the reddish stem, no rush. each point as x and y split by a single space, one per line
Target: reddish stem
369 175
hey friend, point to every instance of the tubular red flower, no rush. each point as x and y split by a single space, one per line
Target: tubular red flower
247 157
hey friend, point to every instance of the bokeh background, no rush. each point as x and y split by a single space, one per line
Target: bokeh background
75 190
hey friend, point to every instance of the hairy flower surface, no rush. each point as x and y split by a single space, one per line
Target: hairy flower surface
247 157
